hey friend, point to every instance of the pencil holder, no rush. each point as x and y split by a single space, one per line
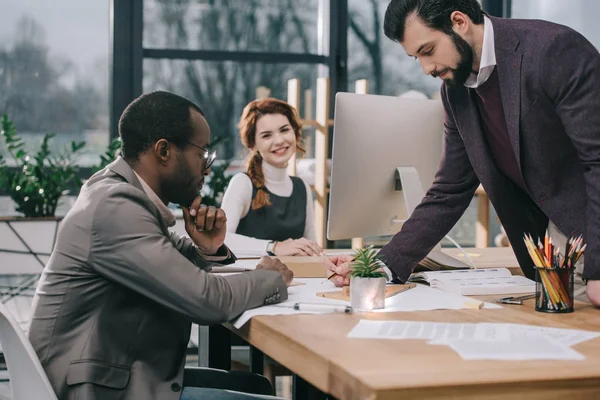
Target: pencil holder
554 289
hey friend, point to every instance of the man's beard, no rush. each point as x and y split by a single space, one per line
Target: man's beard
181 188
461 73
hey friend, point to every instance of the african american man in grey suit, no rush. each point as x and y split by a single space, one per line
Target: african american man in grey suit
113 310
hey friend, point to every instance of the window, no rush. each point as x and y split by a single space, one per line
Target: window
54 75
223 88
577 14
372 56
219 53
249 25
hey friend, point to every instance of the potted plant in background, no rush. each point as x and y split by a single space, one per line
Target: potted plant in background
38 181
218 180
367 280
35 183
112 152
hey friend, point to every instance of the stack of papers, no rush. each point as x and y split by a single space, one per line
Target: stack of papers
437 260
420 298
483 341
476 281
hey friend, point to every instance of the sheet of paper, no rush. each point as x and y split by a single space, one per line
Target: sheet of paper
238 266
485 285
519 348
424 298
567 337
306 292
478 331
421 298
460 274
432 331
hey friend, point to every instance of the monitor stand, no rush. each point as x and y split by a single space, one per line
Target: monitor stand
408 181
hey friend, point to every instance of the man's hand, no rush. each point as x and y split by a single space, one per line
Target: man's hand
297 247
205 225
340 265
593 292
273 264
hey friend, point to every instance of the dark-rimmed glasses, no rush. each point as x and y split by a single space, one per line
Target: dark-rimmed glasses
209 156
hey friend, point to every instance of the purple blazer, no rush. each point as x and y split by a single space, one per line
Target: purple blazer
549 77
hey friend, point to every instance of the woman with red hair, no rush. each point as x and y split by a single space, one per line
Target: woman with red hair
267 209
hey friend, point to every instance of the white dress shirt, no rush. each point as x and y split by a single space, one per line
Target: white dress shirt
488 57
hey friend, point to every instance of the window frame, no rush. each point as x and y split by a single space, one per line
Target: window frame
128 54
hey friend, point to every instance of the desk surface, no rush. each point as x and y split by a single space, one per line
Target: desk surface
316 348
490 257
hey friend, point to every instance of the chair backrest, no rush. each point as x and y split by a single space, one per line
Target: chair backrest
28 381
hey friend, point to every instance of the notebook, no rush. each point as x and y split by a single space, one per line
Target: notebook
488 281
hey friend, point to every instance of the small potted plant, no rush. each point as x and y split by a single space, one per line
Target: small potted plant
39 180
367 280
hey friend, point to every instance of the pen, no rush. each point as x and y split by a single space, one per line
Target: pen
334 273
508 301
319 307
515 300
524 297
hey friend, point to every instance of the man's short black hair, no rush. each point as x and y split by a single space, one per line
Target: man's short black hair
154 116
434 13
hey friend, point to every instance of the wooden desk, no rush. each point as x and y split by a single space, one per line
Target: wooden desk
490 257
316 348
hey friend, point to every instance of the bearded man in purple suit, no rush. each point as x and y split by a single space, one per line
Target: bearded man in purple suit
522 118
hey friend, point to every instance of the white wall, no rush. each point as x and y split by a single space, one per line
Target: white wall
581 15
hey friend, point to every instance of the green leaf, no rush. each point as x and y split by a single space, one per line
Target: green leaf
40 181
367 264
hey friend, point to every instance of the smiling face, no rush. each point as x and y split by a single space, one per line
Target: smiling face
275 139
444 55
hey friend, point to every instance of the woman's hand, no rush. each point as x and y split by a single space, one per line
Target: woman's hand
297 247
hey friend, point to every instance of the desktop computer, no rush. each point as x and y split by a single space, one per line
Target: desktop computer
386 152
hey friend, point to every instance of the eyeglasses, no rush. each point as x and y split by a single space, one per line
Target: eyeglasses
209 156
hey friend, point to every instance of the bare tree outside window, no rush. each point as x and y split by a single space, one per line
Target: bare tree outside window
46 83
373 56
223 88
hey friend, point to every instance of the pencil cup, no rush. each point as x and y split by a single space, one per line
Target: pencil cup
554 289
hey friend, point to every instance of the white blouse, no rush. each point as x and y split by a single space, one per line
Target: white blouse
238 198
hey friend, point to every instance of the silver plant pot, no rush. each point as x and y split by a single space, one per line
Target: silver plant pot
367 294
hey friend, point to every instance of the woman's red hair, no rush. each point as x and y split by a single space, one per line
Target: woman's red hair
247 126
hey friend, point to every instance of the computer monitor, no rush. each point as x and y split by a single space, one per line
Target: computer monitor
386 152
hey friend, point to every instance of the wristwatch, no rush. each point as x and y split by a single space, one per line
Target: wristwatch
270 247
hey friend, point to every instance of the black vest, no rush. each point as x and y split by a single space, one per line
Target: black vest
284 219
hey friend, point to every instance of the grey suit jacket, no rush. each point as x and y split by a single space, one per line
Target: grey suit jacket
113 310
549 77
